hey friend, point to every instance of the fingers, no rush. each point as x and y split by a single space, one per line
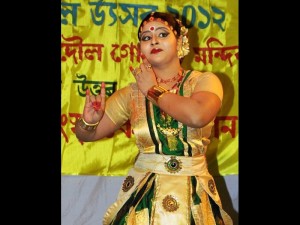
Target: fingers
99 102
102 94
146 64
96 102
135 71
87 96
131 69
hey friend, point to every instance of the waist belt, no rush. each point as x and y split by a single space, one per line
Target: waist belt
169 164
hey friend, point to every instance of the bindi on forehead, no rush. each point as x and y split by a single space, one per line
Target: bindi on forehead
156 27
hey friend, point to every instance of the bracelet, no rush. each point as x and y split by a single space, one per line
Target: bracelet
87 126
155 92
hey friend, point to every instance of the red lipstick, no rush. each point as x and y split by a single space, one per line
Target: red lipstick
155 50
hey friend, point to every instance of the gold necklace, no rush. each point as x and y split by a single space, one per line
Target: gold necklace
164 126
171 135
175 78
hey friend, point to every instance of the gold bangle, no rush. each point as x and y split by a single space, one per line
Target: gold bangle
155 92
87 126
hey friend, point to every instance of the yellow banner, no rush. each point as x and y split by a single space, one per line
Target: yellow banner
99 43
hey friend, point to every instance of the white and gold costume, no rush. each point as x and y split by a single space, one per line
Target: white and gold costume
169 182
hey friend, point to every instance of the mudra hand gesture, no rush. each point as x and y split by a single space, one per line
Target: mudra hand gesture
144 75
94 106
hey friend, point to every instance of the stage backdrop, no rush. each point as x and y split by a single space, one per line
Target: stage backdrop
99 43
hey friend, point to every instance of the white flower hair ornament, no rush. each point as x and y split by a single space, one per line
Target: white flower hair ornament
184 48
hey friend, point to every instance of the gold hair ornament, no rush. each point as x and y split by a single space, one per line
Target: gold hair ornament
184 48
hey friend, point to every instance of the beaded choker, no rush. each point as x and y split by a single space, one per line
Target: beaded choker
177 77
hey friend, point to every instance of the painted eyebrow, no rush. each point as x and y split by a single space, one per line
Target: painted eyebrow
159 28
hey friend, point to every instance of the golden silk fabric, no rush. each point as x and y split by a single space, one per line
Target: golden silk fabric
129 103
172 201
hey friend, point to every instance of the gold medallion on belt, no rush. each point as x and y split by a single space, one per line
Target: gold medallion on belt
173 165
